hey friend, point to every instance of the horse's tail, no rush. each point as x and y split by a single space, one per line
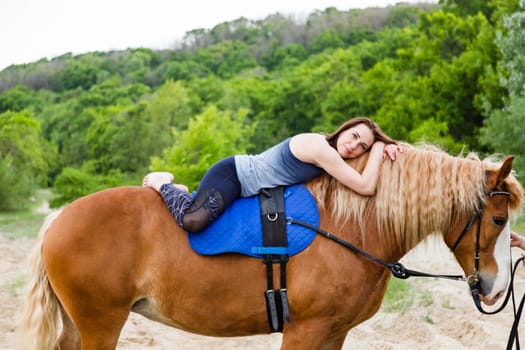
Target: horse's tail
40 318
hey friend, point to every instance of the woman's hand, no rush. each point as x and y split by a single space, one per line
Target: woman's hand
516 240
391 150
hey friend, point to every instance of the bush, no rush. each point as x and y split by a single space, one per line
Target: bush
16 187
72 183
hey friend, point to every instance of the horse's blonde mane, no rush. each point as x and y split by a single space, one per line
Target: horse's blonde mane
417 195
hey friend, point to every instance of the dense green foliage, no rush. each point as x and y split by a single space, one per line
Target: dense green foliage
450 74
212 135
25 158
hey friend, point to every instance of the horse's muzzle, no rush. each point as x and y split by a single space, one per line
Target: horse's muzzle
491 288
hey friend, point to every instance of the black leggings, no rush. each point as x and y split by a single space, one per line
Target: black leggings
217 190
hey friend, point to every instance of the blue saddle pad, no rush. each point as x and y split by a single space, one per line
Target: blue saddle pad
238 229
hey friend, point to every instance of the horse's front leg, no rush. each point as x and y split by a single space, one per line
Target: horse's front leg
312 334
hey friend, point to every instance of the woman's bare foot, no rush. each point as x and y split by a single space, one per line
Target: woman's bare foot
182 187
155 180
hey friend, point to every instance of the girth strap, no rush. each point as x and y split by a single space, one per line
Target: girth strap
275 251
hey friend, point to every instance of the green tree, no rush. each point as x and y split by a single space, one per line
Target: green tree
329 39
66 122
512 47
503 132
121 138
341 103
464 8
210 136
24 159
15 99
259 96
172 105
73 183
440 76
209 89
226 58
503 129
111 92
136 65
77 75
181 70
434 132
65 125
284 57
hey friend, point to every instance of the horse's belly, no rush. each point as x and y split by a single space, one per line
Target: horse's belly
215 296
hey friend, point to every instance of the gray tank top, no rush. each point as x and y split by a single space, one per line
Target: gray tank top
276 166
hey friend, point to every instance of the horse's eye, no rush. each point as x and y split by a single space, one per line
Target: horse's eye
499 220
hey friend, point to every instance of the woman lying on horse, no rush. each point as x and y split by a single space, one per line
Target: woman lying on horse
297 159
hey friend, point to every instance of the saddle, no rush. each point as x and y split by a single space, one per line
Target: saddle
258 227
239 228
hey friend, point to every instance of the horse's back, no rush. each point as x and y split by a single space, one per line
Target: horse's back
111 218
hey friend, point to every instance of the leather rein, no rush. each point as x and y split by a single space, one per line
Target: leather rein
400 271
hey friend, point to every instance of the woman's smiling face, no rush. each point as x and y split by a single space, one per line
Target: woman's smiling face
354 141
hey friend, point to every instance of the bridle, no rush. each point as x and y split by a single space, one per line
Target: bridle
473 280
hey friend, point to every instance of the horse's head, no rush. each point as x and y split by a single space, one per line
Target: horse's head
481 240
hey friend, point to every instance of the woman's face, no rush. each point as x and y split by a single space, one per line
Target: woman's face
354 141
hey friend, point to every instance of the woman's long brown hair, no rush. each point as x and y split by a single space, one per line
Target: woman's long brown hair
379 135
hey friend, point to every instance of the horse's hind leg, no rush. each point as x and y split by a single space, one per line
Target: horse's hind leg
69 338
98 328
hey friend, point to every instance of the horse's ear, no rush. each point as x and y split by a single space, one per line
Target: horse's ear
497 177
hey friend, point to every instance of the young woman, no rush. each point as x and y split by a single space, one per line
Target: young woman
296 160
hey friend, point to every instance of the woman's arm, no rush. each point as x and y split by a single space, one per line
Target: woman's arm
517 240
314 149
363 183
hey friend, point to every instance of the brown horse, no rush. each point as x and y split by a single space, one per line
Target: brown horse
119 250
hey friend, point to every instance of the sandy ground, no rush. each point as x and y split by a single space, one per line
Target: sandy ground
446 320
